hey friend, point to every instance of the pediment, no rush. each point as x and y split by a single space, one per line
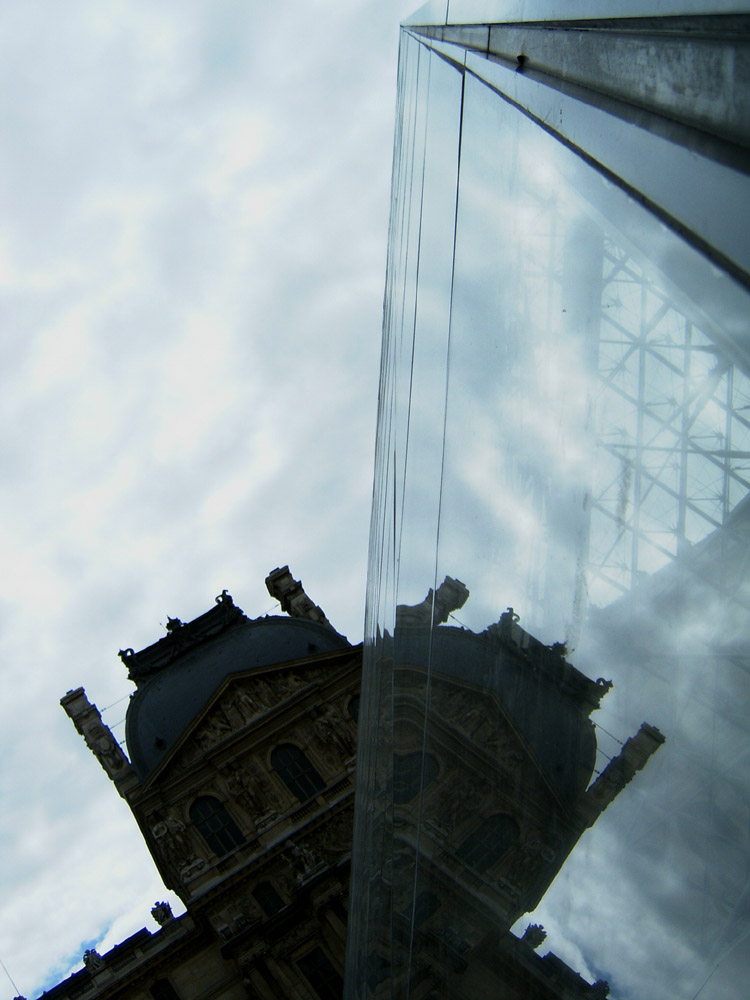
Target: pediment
242 701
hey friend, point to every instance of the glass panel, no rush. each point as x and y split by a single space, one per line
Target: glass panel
414 366
556 733
486 845
411 772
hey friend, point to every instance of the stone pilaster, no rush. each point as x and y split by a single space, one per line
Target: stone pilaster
632 758
99 739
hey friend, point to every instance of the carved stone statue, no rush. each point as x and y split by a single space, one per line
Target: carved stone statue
92 960
468 798
162 913
331 729
534 935
171 837
246 787
191 867
437 605
214 729
533 855
249 705
105 747
291 596
303 860
287 684
503 743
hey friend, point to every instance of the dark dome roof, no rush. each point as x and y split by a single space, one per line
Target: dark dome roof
549 702
162 709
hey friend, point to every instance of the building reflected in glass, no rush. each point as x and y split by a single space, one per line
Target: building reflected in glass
563 459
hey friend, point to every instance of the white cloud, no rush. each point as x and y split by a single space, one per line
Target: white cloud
194 205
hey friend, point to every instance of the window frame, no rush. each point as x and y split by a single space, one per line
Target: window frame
299 774
225 837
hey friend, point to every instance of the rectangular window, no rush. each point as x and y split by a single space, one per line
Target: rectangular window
317 969
162 989
270 901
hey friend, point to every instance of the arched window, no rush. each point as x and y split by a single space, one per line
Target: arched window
215 825
489 842
409 770
296 771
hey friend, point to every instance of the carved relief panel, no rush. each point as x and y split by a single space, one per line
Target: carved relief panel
250 786
176 844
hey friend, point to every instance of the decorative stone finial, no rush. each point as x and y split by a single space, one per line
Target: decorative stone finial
292 597
162 913
92 960
99 739
621 769
534 935
304 861
182 637
437 605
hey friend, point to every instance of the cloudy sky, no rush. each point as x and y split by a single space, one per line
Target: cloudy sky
192 250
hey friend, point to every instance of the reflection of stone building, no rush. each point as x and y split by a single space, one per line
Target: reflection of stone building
241 737
488 793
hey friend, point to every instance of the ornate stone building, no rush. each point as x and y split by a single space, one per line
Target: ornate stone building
484 782
241 739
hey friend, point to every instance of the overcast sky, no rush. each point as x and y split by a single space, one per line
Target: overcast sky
192 251
192 260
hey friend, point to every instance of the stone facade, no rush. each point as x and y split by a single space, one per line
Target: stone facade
482 788
247 813
242 737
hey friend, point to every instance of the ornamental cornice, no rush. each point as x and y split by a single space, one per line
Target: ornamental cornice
182 637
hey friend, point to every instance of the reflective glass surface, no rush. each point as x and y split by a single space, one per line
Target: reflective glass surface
553 793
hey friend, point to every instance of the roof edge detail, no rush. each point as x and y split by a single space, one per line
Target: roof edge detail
182 637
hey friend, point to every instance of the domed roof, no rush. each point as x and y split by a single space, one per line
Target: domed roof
177 682
546 698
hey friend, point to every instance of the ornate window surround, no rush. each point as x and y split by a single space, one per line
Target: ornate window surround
215 825
297 771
